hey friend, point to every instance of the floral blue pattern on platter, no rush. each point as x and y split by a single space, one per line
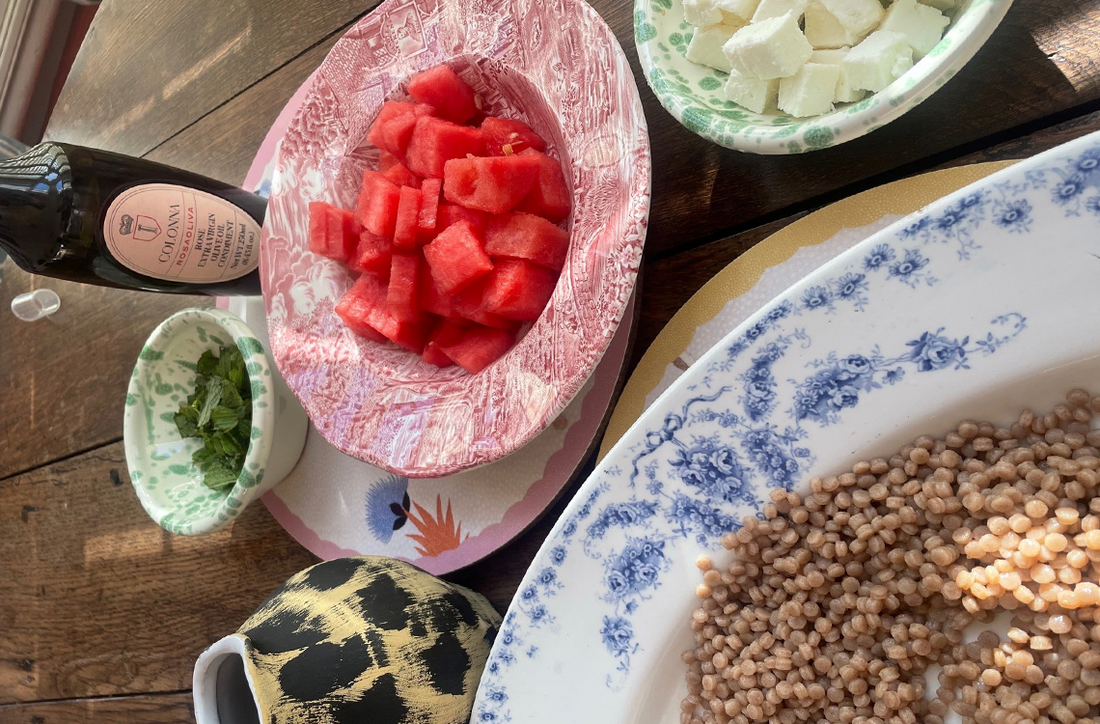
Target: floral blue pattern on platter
922 308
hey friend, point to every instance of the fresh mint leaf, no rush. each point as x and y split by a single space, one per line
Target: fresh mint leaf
219 412
207 364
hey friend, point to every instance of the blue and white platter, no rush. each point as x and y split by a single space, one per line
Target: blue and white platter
975 307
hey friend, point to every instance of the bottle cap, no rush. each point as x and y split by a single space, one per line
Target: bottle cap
35 305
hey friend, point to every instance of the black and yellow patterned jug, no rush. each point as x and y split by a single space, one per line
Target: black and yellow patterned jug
368 640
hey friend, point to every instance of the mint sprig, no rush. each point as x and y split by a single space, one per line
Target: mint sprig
219 412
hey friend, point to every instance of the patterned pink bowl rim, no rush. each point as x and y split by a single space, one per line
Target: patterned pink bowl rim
556 65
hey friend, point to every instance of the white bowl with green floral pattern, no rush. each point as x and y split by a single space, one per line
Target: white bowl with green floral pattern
168 485
693 93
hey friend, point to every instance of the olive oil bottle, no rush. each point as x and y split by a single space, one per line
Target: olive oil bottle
102 218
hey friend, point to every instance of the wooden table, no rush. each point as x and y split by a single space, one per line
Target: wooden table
101 613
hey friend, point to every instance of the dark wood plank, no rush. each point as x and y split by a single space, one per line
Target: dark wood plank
97 600
238 128
63 379
157 709
148 69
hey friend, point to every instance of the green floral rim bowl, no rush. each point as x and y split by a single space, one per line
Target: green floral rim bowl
168 485
693 94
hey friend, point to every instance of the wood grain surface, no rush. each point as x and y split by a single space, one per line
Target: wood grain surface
63 379
95 600
149 68
155 709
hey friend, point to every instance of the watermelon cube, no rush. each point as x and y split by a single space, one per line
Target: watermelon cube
450 214
432 299
470 304
441 88
495 184
457 258
343 234
377 206
408 216
318 227
435 141
478 347
373 255
505 136
366 304
386 161
549 196
525 236
519 290
400 175
354 309
429 207
448 331
394 126
402 294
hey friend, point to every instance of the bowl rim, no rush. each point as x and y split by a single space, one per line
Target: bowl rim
622 258
249 481
967 34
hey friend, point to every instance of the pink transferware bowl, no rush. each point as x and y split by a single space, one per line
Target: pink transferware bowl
554 64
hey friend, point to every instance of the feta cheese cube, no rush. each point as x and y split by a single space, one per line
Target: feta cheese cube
823 30
706 44
742 9
810 91
772 48
941 5
858 16
775 8
878 61
921 25
752 93
845 93
702 13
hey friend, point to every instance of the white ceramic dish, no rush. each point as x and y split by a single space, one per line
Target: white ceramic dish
693 93
168 485
932 320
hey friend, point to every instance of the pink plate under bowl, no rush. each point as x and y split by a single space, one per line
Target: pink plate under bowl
554 64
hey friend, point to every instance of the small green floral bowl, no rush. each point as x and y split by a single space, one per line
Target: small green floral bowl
168 485
693 94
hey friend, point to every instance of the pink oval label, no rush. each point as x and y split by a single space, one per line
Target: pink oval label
181 234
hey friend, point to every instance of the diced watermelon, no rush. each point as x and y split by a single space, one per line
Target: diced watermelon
493 184
429 207
519 290
394 126
431 298
448 331
386 161
343 234
450 214
408 215
441 88
470 304
402 295
525 236
435 141
373 255
457 257
377 206
353 309
478 347
318 227
400 175
549 196
369 306
505 136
